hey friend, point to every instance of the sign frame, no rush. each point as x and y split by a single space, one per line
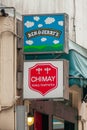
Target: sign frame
60 92
36 49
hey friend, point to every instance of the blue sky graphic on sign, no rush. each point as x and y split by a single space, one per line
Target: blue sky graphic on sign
43 33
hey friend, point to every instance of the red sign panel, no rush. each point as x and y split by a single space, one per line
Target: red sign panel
37 121
43 78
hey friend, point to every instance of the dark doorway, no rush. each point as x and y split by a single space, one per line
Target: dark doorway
41 121
69 126
45 122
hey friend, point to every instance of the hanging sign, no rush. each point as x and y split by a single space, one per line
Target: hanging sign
45 33
45 79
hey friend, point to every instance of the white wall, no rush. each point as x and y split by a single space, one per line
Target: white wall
81 22
75 8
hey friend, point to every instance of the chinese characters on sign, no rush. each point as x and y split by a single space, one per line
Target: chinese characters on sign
45 79
45 34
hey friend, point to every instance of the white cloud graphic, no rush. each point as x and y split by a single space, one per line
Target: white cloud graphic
29 42
49 20
43 39
36 18
56 41
60 23
40 25
29 24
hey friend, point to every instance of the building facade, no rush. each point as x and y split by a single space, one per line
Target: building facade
11 60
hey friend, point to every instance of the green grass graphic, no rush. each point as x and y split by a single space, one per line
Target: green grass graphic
42 48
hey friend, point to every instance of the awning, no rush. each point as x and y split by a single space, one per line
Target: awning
77 65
